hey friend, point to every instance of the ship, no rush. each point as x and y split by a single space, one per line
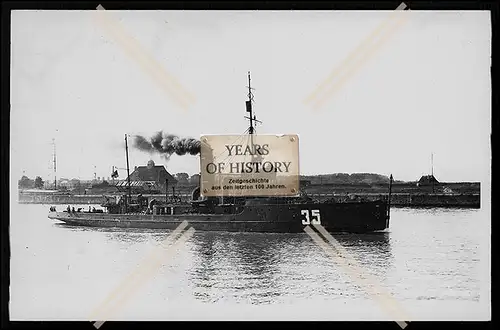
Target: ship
276 214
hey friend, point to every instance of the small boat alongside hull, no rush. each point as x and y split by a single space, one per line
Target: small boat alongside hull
289 218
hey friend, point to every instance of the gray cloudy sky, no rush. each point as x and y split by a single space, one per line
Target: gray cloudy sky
427 89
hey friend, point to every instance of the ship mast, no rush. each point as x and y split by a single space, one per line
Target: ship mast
251 117
128 170
432 171
432 164
391 179
54 162
249 105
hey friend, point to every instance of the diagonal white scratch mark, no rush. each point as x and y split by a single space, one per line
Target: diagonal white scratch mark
351 266
146 61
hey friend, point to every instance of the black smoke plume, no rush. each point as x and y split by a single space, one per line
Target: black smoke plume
167 144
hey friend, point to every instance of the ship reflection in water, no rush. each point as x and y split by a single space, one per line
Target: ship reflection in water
268 268
259 268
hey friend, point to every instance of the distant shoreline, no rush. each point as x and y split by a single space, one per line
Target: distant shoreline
465 194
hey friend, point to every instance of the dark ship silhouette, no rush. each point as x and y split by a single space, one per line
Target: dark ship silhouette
235 213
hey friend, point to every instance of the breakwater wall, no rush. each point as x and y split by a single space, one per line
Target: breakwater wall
416 200
59 199
471 200
77 199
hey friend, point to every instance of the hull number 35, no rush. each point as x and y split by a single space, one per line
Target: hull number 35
311 217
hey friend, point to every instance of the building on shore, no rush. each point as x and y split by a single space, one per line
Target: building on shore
149 179
426 180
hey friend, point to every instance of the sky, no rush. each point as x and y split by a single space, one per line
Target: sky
425 91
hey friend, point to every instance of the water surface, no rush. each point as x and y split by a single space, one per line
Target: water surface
433 262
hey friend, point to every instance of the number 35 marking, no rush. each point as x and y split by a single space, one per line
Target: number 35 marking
316 218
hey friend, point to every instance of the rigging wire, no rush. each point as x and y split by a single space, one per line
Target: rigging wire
237 139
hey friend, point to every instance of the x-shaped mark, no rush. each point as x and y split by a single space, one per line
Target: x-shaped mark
351 266
356 59
147 62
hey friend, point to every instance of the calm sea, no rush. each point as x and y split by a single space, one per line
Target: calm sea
433 264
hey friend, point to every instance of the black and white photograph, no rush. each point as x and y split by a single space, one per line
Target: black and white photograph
250 165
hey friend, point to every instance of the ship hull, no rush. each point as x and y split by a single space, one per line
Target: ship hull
285 218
